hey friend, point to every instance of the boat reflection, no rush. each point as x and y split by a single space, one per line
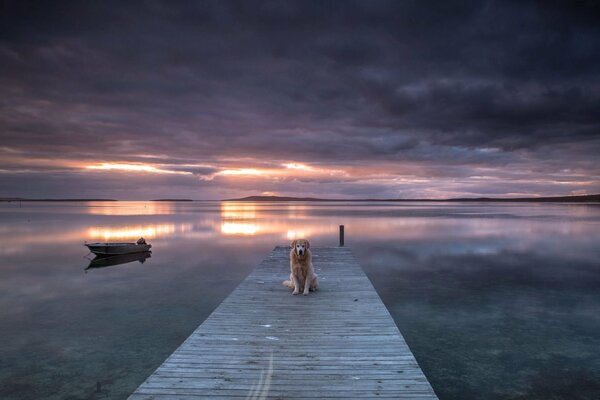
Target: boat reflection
109 261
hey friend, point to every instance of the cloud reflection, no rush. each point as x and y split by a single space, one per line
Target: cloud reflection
130 208
237 228
134 232
249 218
238 210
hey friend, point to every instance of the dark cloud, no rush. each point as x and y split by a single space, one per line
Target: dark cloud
450 88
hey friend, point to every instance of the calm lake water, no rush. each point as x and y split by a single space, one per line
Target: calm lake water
497 301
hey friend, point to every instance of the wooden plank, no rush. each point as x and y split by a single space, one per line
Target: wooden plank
262 342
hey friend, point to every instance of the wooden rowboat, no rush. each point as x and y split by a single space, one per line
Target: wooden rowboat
114 248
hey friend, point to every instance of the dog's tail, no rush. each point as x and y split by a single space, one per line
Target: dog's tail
288 283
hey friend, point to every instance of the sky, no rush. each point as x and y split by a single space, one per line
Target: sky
332 99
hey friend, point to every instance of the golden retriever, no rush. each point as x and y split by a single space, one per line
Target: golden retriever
302 274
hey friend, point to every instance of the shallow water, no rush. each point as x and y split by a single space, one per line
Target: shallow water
497 301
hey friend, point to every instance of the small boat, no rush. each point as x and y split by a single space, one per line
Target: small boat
115 248
102 261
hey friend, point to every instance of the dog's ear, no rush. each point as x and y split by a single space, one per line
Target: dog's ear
293 244
307 244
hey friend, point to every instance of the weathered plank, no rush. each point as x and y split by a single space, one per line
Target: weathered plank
262 342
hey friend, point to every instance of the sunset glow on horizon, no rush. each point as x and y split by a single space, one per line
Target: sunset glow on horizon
134 168
242 172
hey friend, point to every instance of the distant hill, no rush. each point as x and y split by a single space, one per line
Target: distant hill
172 200
279 198
592 198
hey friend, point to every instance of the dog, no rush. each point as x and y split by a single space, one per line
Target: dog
302 274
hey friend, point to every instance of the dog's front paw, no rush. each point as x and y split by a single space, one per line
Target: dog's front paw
295 292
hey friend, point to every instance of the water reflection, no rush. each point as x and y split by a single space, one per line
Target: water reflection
109 261
239 228
129 208
491 298
302 233
287 221
134 232
483 227
238 210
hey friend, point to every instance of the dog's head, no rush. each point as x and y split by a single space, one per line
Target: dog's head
300 247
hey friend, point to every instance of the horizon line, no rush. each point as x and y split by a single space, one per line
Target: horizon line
260 198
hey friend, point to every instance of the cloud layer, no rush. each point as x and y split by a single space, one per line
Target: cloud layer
376 99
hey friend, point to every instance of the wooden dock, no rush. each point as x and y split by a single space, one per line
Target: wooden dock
263 343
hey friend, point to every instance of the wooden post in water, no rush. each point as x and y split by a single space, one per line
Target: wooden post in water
341 235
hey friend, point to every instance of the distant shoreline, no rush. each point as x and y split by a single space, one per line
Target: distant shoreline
560 199
16 199
592 198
